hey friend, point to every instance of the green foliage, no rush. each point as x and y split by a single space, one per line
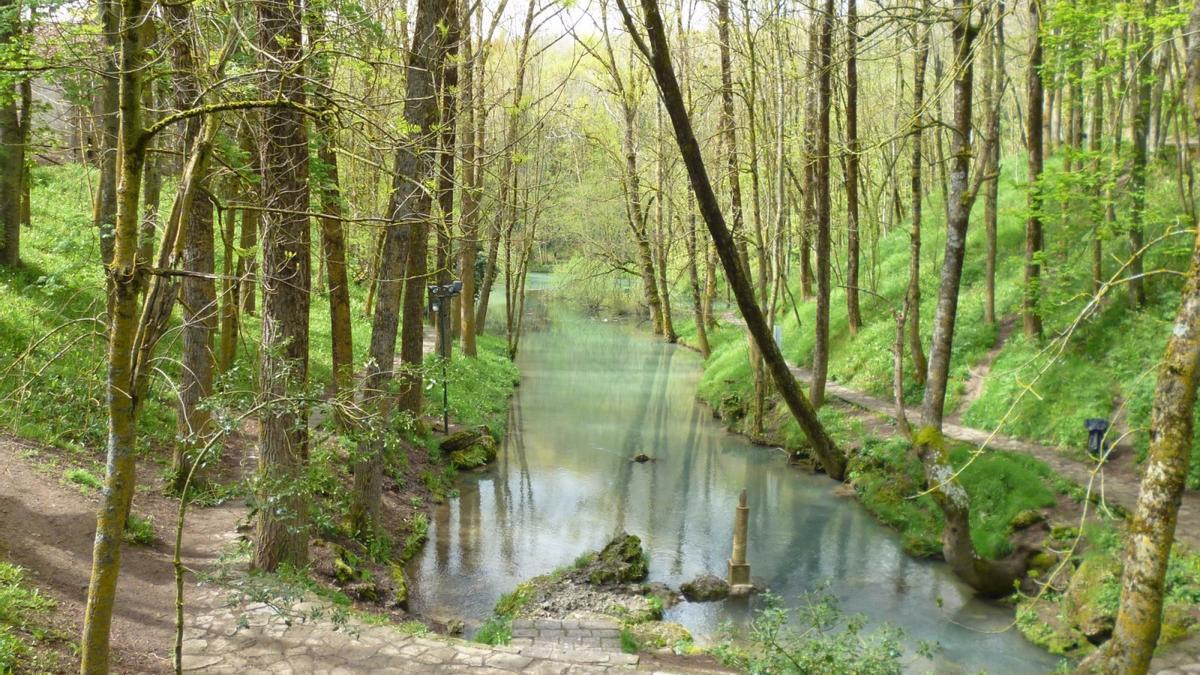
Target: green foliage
479 387
85 479
140 529
1004 487
495 631
629 643
821 639
418 532
22 609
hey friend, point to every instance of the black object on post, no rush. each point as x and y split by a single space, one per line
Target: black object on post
1096 429
439 303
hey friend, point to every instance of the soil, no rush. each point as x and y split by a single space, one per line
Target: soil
48 528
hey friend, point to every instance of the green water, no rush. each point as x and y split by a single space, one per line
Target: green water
593 394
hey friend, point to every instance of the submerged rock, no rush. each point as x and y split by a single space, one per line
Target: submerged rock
642 458
705 588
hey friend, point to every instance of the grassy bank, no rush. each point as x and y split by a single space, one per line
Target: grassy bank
52 392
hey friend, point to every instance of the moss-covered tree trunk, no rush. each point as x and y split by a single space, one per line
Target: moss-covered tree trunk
123 284
988 577
1152 530
1030 312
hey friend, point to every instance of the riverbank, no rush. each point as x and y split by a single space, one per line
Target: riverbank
1067 603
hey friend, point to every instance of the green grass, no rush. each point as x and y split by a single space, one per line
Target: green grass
140 530
22 634
1002 486
479 387
1037 391
85 479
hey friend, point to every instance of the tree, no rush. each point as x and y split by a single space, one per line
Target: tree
1143 89
658 55
853 314
407 229
912 311
823 202
333 230
12 144
1152 529
989 577
1031 314
281 534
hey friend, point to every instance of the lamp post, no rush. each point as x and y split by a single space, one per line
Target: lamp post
440 302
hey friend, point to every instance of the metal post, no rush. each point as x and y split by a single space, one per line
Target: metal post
442 316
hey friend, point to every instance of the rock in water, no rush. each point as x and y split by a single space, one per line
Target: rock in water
642 458
621 561
705 588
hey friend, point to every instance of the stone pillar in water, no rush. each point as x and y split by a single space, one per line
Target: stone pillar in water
739 569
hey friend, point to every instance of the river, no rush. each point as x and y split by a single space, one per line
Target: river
593 394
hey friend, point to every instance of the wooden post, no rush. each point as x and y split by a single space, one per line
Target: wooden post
739 569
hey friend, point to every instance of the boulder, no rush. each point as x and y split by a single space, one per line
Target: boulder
620 561
705 588
469 448
659 634
1084 600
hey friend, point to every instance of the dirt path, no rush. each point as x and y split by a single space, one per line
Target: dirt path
1115 484
977 373
47 526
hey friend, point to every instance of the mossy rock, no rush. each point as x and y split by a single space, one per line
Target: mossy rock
1178 620
1088 600
1043 561
620 561
1027 518
659 634
345 566
400 585
1043 625
469 449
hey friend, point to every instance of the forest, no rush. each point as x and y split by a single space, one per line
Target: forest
694 336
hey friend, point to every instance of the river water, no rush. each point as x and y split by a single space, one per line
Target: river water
595 393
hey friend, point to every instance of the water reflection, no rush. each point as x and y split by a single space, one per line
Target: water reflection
594 394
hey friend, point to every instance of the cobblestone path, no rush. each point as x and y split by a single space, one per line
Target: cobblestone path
258 639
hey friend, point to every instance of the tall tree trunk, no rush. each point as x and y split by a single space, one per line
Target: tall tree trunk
824 103
197 290
913 298
104 211
123 284
1031 315
446 83
229 293
1152 530
988 577
248 238
333 234
662 232
830 457
993 92
508 171
410 210
853 314
1096 147
281 533
473 134
1143 88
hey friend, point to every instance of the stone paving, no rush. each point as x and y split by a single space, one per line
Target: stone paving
259 639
